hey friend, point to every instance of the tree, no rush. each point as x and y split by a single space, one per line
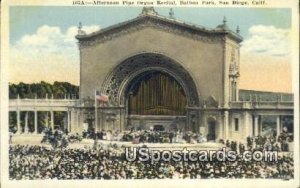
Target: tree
40 90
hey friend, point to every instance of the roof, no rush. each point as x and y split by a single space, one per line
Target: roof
150 15
246 95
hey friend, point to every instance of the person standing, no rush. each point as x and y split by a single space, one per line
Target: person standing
10 137
171 135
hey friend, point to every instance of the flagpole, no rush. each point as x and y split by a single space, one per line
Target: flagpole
96 118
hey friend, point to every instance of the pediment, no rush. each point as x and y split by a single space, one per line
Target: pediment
156 22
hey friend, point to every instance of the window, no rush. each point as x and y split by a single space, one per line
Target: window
236 124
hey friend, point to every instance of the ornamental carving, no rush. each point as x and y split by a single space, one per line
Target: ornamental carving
190 31
233 70
123 75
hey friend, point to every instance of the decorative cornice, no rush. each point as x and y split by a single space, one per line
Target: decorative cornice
160 23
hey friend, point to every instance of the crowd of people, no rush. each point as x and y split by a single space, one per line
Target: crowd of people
270 143
146 136
278 143
60 139
40 162
107 161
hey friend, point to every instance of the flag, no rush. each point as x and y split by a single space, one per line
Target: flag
101 97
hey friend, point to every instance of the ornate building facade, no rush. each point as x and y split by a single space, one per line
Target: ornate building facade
165 74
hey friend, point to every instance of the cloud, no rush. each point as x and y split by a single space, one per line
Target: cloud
267 40
49 54
265 62
50 39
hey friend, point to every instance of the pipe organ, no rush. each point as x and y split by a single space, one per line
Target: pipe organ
157 93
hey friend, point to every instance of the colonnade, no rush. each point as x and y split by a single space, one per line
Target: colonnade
67 122
257 125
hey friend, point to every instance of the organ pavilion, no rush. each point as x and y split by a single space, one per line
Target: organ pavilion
164 74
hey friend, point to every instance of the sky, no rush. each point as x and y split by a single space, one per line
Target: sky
43 47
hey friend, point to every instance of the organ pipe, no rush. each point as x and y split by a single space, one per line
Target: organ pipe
157 93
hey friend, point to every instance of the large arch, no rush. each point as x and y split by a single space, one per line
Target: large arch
120 78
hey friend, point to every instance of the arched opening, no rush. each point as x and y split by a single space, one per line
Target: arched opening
211 129
156 93
123 75
153 89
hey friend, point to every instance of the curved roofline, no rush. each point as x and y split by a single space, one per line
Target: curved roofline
192 27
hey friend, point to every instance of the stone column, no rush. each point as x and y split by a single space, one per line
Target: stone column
35 122
52 119
250 125
97 122
65 121
69 121
47 120
74 122
226 124
102 119
246 126
230 89
220 126
120 120
260 125
78 118
79 121
26 123
113 125
278 130
255 125
237 89
18 122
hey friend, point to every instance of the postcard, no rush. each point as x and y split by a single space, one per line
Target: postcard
150 93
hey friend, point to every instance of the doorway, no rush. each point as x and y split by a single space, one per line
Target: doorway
211 130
